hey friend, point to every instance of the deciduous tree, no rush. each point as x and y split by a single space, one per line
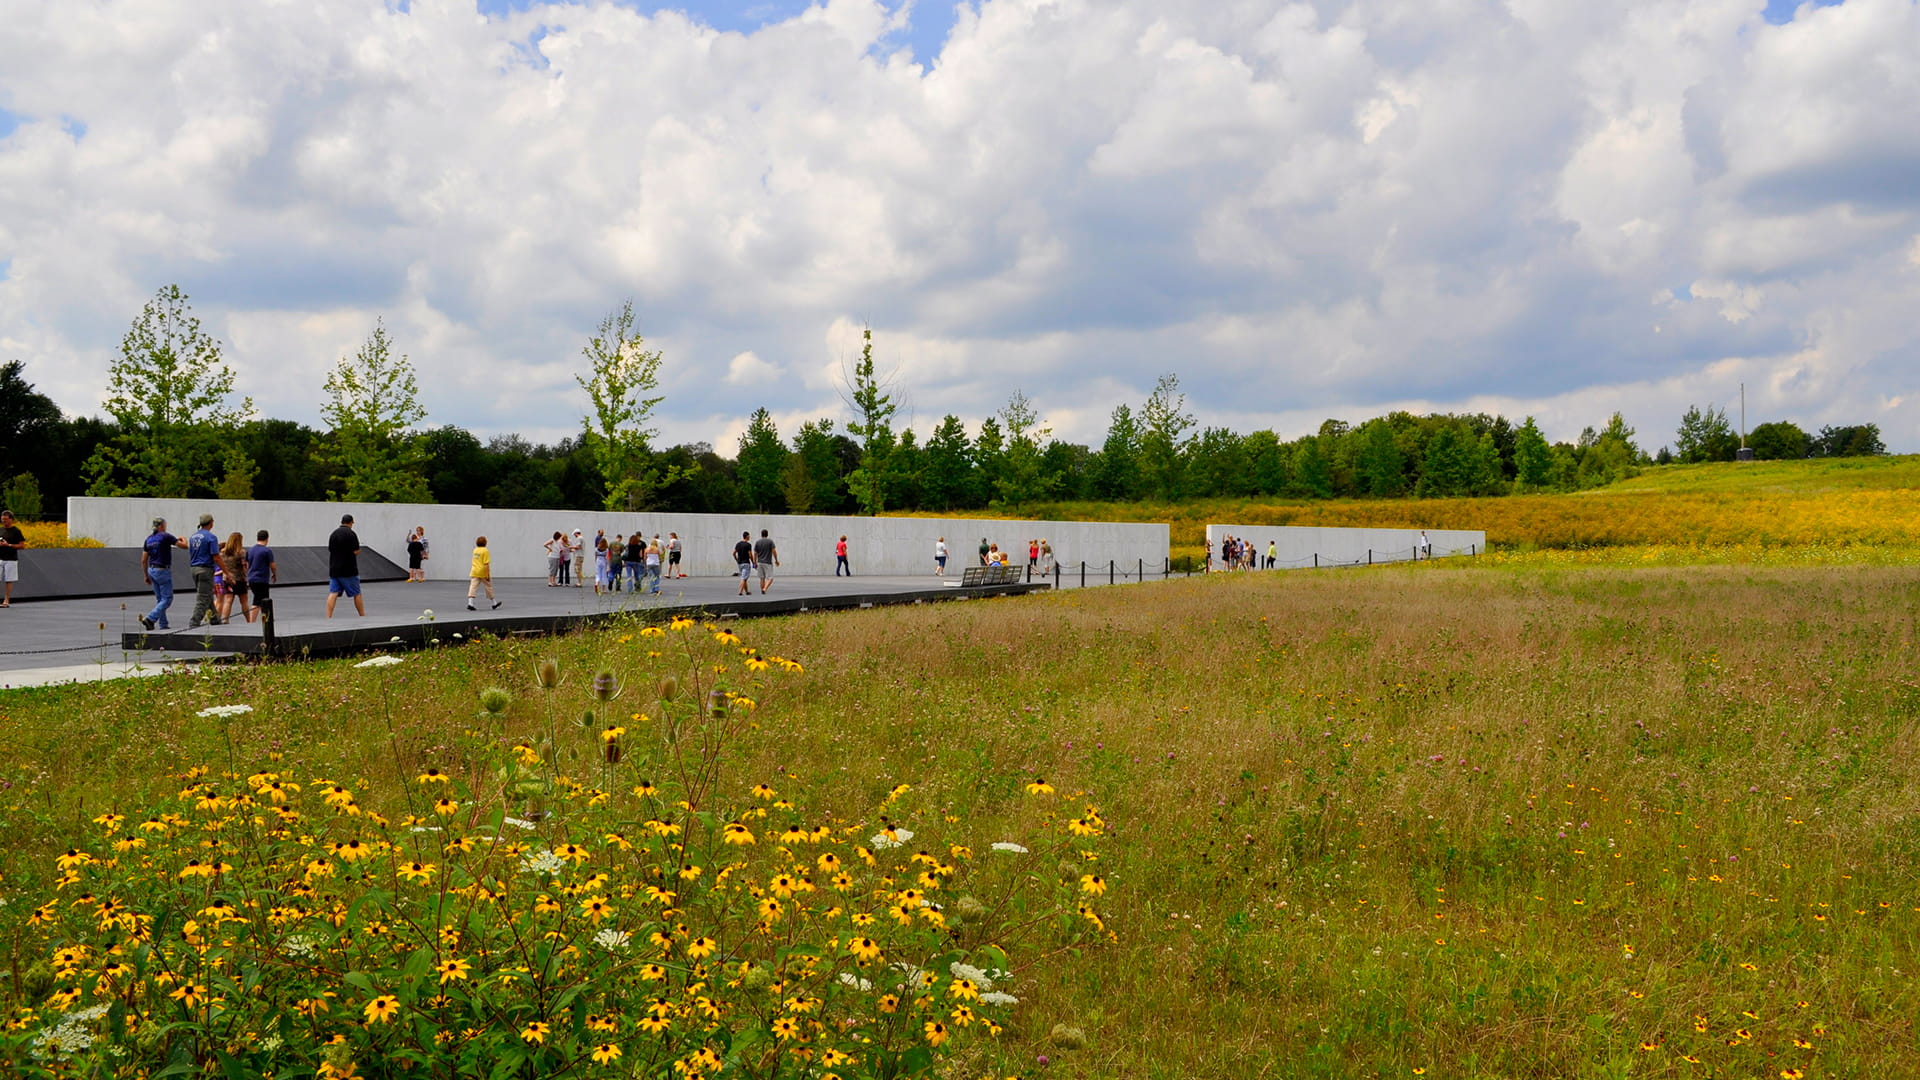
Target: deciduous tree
620 381
372 408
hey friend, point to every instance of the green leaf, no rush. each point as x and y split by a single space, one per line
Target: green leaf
359 979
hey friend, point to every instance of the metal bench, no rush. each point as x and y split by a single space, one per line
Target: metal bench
975 576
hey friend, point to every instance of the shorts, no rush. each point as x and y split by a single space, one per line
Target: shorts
766 571
220 587
345 586
262 591
746 571
10 570
673 558
239 589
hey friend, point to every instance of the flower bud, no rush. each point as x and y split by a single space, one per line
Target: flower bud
669 688
717 704
612 751
606 686
547 672
495 700
1068 1038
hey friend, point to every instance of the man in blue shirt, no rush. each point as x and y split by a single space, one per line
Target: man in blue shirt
262 574
156 567
202 546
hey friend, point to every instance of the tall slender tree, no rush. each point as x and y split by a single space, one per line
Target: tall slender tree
872 425
758 466
373 407
620 381
1164 423
1021 479
169 396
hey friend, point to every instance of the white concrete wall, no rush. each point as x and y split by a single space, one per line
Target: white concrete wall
1337 547
880 546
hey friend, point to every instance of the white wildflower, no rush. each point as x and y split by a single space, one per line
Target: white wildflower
383 660
518 823
892 838
848 978
225 710
543 862
301 946
967 971
996 997
611 939
1009 847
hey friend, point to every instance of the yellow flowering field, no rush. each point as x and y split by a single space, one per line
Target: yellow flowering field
53 534
1521 820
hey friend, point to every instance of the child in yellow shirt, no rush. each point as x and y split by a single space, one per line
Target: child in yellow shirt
480 573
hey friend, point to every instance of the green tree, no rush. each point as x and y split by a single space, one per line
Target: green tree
812 480
905 465
372 407
989 454
1381 465
1852 440
1117 476
873 410
168 397
1164 423
27 417
759 464
1269 461
1312 475
1454 464
946 475
1781 440
621 374
1705 435
22 496
1020 478
1532 458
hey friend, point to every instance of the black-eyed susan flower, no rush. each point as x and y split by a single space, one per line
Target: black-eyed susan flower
417 872
1039 787
936 1032
864 949
382 1009
535 1033
702 947
596 908
606 1054
1095 885
452 970
736 833
785 1027
435 776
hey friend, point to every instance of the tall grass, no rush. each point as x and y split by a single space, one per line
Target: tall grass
1536 822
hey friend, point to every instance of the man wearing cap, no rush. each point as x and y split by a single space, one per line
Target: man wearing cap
201 548
578 543
343 566
156 568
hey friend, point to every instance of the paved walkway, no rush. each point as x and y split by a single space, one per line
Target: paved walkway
57 641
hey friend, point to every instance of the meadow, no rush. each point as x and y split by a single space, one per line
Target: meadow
1528 821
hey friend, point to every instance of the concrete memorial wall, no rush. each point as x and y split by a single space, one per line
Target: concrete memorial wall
1300 546
880 546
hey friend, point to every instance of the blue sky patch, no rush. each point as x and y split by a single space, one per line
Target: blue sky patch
931 19
1781 11
8 122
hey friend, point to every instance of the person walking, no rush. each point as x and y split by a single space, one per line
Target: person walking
1046 558
231 582
766 557
940 556
416 551
616 556
578 545
1033 555
743 560
636 561
1426 548
839 557
985 548
1273 554
599 564
673 556
203 548
343 566
655 552
11 541
426 550
480 573
156 569
262 575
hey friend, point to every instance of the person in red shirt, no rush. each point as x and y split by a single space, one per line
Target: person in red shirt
840 558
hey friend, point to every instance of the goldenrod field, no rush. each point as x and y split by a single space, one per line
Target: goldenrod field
1852 509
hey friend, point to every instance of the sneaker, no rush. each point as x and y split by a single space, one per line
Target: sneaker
144 621
496 605
470 606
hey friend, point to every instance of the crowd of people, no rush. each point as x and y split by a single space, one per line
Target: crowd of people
1237 553
224 572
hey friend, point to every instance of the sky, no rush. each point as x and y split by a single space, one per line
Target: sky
1303 208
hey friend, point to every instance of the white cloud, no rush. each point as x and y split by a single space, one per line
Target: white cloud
1306 209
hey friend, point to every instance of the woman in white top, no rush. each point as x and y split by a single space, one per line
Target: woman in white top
940 557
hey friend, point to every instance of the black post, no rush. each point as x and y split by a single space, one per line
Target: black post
1169 572
1141 570
1110 565
1029 573
1083 573
1473 550
1369 556
1056 577
1316 560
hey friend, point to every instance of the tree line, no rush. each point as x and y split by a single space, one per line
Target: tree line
173 428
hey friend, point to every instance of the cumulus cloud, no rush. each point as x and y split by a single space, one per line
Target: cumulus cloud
1307 209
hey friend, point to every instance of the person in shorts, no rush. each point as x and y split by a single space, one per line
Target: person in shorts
940 557
343 566
766 557
673 555
262 575
577 545
11 541
743 559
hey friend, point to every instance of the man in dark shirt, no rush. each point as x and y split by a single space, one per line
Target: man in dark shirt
202 546
11 541
262 574
765 556
156 568
343 566
743 558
